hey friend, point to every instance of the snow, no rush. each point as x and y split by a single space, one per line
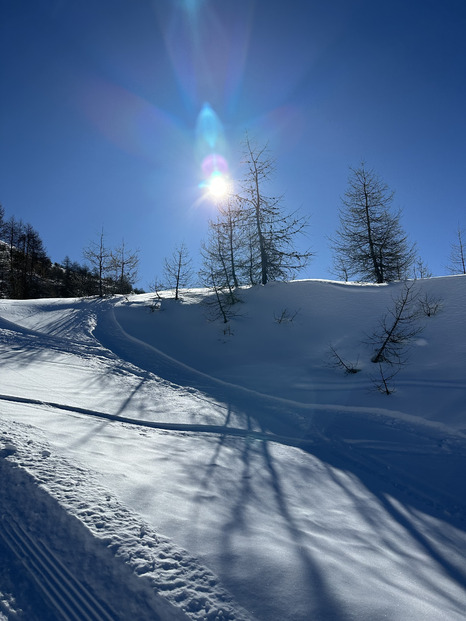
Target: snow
181 470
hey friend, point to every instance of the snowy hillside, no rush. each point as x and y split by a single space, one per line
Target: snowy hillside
158 464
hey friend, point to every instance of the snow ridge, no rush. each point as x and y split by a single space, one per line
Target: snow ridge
141 574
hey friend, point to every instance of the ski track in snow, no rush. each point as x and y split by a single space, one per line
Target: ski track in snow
354 450
108 542
170 584
167 570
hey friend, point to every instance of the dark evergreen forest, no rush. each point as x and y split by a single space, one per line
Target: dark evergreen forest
27 272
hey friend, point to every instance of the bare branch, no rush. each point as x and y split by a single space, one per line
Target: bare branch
350 368
397 328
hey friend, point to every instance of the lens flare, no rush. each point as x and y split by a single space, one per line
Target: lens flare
218 186
214 164
209 128
211 144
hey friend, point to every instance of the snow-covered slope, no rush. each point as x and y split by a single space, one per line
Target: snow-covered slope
181 470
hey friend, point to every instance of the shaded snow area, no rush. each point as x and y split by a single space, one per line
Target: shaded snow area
103 545
157 464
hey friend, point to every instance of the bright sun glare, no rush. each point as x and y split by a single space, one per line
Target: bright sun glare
218 186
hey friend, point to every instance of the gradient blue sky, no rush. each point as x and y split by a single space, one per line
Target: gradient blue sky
100 100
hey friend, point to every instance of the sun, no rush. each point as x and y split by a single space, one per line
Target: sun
218 186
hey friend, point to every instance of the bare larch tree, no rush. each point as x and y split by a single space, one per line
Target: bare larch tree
370 242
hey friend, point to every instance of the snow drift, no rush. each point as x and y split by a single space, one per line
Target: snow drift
180 468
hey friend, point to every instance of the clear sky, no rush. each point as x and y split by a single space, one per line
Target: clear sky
108 108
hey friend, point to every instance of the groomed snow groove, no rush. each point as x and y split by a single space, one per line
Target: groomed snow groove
72 600
185 427
118 568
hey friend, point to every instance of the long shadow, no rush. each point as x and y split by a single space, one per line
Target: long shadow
392 490
324 603
324 437
321 435
22 347
313 431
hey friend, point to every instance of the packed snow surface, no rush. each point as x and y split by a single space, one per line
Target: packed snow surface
175 467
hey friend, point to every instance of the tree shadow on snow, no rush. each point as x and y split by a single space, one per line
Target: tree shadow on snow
416 480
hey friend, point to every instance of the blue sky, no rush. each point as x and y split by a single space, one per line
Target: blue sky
101 99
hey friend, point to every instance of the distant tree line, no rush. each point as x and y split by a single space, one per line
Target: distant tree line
26 270
24 263
253 240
